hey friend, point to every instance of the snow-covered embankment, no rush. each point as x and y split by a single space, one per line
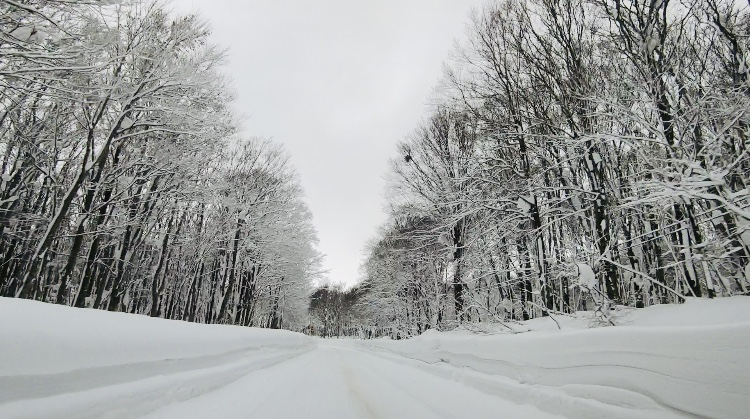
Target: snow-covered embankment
55 361
689 359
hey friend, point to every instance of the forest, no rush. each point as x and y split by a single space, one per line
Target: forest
564 227
126 183
578 155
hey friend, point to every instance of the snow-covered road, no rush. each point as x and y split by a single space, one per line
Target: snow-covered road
661 362
336 380
332 380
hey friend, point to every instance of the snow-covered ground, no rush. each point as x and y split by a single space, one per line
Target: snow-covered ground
665 361
57 361
668 360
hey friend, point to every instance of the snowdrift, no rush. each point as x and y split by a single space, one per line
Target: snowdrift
62 362
691 359
40 338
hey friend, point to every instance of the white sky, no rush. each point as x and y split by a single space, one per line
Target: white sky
338 83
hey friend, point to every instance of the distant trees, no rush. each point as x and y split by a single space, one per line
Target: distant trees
335 311
123 184
582 153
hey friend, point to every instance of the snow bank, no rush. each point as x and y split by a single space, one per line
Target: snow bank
689 359
39 338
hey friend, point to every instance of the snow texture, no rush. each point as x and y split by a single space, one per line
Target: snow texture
126 123
660 362
586 276
22 33
41 338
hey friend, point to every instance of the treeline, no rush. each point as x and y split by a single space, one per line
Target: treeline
333 312
580 154
124 185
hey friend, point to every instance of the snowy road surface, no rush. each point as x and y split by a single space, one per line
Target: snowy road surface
333 380
664 362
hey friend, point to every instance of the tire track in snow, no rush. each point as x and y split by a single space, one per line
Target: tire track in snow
21 387
525 387
133 399
356 392
376 375
282 386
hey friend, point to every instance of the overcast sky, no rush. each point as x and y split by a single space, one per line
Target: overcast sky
338 83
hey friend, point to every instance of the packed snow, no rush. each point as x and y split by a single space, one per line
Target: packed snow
659 362
44 338
665 360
